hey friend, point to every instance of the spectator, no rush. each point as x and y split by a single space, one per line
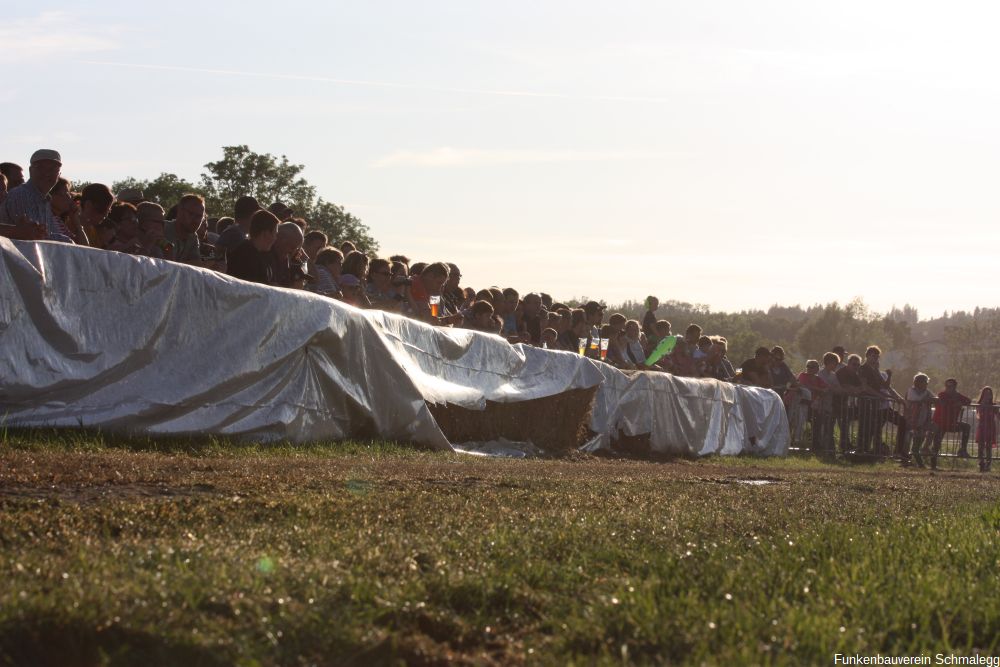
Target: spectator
481 318
756 371
252 259
67 209
285 251
649 319
351 290
533 317
579 328
918 416
243 211
282 211
635 354
661 330
680 360
132 196
221 225
869 404
3 190
312 243
429 283
14 174
716 364
810 381
781 375
329 261
507 309
29 203
830 405
452 296
95 204
401 258
152 242
347 247
379 289
549 338
946 414
986 428
182 232
692 334
125 219
842 354
853 388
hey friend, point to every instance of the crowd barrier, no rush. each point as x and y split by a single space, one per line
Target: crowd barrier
876 428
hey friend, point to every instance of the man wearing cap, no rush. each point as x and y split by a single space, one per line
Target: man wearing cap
30 202
282 211
235 234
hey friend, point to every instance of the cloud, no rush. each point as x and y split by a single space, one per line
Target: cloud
470 157
53 33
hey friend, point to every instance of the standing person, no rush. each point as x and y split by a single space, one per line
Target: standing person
986 428
239 231
182 231
817 386
649 319
30 202
947 412
782 378
251 259
831 401
918 417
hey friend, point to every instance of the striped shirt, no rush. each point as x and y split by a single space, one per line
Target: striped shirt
26 200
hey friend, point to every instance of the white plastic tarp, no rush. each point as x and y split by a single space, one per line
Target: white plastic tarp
106 340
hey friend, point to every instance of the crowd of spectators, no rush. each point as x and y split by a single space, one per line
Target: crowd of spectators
273 246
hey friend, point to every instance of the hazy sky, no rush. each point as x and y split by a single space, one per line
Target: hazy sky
729 153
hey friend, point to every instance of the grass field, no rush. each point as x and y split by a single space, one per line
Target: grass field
176 553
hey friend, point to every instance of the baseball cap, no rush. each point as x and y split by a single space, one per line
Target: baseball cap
593 307
46 154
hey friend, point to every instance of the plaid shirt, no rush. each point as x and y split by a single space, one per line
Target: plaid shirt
26 200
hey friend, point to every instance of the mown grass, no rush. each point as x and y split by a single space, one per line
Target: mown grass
124 552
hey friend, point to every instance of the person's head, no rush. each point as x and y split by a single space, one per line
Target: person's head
549 337
777 354
482 314
579 322
3 188
263 230
692 334
380 274
831 360
331 259
14 174
812 367
854 362
951 385
434 276
44 170
841 352
532 304
872 353
652 303
632 329
762 354
190 214
417 268
511 299
355 264
920 380
289 240
485 295
401 258
662 328
986 396
244 209
595 313
281 211
719 347
546 300
125 218
95 203
151 220
705 344
454 275
347 247
617 322
553 320
132 196
62 197
350 284
313 242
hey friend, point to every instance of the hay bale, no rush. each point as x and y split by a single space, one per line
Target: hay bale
557 423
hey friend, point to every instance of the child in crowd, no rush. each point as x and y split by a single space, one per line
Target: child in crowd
918 418
986 428
549 337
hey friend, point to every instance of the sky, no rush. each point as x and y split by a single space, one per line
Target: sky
729 153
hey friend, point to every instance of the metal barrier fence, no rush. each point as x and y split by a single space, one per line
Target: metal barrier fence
877 428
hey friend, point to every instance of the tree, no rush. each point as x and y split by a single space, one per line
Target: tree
166 189
242 172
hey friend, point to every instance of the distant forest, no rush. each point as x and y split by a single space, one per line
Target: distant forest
963 345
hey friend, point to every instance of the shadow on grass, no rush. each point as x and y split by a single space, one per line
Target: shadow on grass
83 439
42 640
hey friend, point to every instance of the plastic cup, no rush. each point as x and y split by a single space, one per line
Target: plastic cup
583 346
435 304
604 348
